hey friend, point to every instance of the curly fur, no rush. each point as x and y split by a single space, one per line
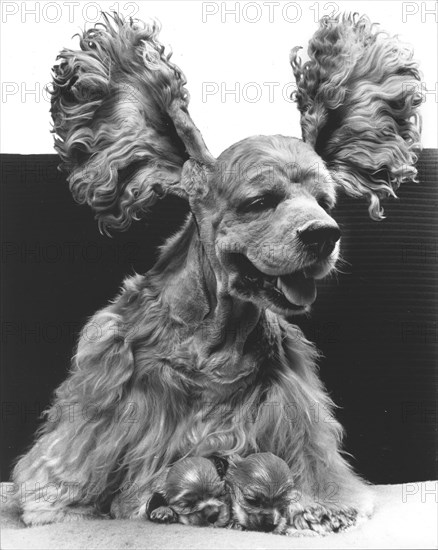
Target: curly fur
109 107
198 357
358 96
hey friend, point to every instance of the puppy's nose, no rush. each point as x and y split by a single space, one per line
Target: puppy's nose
320 238
268 526
212 517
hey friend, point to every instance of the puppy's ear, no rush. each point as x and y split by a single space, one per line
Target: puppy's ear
233 461
359 97
122 129
221 464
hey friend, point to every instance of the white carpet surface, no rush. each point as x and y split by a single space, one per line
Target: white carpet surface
406 516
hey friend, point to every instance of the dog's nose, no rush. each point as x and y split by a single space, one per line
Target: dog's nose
268 526
212 517
320 238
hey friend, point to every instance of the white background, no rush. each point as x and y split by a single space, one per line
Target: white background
241 50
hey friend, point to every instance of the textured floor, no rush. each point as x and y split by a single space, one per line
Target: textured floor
405 517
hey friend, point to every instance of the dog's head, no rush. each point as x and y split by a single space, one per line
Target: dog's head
261 489
194 490
265 218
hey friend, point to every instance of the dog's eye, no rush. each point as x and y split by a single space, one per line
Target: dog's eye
252 501
263 202
324 203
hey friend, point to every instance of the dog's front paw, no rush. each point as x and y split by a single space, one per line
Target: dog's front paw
324 520
163 514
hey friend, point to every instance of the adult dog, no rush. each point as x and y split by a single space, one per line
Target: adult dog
198 356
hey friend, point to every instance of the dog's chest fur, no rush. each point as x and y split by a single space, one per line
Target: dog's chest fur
223 398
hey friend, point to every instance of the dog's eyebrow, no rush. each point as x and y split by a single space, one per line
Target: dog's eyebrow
268 173
296 173
263 186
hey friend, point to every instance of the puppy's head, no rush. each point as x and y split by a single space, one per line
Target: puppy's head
261 489
266 217
194 490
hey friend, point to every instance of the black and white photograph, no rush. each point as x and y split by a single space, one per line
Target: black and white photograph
219 260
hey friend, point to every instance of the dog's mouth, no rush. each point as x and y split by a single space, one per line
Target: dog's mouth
293 291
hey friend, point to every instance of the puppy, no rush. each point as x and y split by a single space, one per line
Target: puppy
192 493
261 490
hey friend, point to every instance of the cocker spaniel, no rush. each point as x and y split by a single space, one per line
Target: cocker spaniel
199 356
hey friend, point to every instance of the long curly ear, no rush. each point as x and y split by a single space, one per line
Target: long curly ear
359 96
122 129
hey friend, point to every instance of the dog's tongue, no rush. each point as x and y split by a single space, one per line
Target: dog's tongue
297 289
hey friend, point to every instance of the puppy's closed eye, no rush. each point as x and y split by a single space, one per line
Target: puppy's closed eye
188 500
253 501
325 203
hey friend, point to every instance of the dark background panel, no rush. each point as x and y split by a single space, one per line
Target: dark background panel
375 321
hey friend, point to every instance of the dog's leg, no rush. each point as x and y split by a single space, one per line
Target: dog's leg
333 498
305 433
76 461
44 500
341 498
